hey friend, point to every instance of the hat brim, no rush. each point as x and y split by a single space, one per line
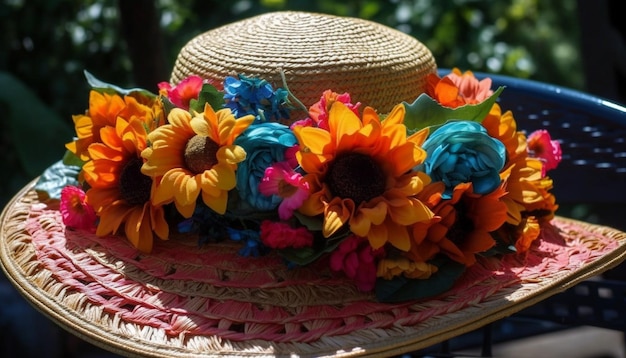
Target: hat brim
104 292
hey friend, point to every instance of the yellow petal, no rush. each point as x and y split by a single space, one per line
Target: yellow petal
217 203
419 137
405 157
226 178
396 116
241 125
398 236
231 154
410 213
336 215
200 126
138 230
111 218
188 190
342 121
313 140
377 236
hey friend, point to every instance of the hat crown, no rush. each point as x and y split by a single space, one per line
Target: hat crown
378 65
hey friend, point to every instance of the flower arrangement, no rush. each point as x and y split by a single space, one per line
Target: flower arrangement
401 203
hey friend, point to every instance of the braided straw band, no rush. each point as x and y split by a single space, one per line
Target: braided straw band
377 65
185 301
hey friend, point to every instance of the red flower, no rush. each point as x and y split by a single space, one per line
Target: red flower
182 94
356 258
541 146
76 212
280 235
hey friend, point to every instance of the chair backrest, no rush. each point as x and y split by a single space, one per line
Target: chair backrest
592 132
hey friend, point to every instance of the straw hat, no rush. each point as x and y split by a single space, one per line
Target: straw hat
184 301
378 65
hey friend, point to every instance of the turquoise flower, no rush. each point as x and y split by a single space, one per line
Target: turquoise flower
265 144
254 96
461 152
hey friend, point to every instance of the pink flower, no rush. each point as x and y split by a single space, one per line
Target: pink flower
182 94
356 258
541 146
280 179
77 214
280 235
318 112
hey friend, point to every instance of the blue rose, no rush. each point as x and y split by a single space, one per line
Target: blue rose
461 152
265 144
246 95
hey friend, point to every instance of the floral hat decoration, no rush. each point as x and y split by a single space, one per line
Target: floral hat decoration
304 184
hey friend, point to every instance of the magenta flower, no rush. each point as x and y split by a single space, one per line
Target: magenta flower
182 94
541 146
356 258
281 180
76 212
280 235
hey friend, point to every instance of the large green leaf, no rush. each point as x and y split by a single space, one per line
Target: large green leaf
97 84
401 289
426 112
55 178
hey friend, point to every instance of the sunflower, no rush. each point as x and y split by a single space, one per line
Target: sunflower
193 155
104 109
527 188
360 173
119 192
463 225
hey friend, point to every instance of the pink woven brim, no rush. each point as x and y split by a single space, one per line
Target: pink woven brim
186 301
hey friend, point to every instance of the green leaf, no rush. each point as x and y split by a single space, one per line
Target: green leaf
55 178
306 255
99 85
209 94
426 112
312 223
401 288
71 159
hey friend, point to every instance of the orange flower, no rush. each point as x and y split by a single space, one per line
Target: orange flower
463 225
119 192
360 174
527 188
104 109
458 89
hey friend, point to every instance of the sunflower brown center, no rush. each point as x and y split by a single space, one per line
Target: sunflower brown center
200 154
134 185
355 176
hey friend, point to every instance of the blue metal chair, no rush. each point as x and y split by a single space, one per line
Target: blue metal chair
591 176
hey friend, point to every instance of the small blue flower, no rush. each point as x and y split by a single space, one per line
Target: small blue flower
206 223
245 95
252 242
461 152
265 144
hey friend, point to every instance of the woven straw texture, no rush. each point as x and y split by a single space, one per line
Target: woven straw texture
377 65
185 301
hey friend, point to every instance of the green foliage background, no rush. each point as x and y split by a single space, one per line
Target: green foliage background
46 45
